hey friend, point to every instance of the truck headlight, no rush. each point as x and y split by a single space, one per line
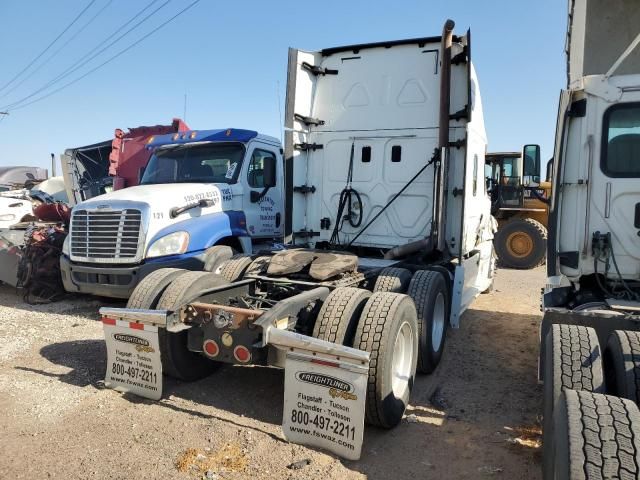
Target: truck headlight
65 246
172 244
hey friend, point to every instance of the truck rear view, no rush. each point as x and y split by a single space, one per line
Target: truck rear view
388 239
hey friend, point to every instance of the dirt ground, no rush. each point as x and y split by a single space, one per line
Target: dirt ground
477 417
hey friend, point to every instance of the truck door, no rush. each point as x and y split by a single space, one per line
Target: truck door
262 206
615 199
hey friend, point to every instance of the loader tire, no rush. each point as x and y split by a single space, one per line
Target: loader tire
597 437
388 330
622 365
521 243
392 279
150 289
573 360
233 269
216 256
177 360
339 315
429 291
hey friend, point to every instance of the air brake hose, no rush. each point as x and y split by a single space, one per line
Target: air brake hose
346 201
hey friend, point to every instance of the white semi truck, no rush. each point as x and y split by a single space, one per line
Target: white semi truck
203 196
590 334
388 237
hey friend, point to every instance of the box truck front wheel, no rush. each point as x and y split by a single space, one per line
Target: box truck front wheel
596 437
622 365
177 360
339 315
388 330
428 289
572 359
521 243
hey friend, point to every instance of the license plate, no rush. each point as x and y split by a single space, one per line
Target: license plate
324 404
133 358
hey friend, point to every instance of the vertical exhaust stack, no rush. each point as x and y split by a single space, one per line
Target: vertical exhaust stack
443 135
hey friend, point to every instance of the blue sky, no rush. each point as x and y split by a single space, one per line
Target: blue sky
230 57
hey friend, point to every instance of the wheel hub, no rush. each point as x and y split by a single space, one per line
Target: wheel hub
437 327
402 360
520 244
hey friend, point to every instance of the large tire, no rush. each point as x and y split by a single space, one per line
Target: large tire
215 256
150 289
521 243
388 330
339 315
233 269
259 265
177 360
597 437
572 360
622 365
392 279
429 291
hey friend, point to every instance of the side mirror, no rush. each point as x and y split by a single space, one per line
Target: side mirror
531 161
269 172
549 170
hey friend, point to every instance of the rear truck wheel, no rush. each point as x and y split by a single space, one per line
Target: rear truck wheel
215 256
177 360
622 365
521 243
388 330
573 360
429 291
339 315
392 279
233 269
150 289
597 437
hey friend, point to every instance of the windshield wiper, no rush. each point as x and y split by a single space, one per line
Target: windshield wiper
205 202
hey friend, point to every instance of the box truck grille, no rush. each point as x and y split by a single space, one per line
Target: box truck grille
107 236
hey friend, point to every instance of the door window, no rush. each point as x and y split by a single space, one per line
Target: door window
256 168
621 141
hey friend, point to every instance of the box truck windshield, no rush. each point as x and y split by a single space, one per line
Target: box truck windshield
209 163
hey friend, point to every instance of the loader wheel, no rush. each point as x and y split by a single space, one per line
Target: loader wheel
177 360
233 269
388 330
150 289
339 315
573 360
622 365
429 291
597 437
393 279
521 243
215 256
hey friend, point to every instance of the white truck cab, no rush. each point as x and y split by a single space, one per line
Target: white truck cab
200 189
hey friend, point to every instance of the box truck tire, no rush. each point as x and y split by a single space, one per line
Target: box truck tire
596 436
339 315
388 330
573 360
622 365
429 291
150 289
177 360
392 279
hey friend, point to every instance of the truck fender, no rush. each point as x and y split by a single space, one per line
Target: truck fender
208 230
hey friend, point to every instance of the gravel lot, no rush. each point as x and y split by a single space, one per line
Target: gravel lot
477 417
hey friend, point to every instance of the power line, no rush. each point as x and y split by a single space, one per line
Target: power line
53 55
48 46
110 59
80 63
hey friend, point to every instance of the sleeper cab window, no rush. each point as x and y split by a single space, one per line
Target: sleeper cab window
621 141
396 153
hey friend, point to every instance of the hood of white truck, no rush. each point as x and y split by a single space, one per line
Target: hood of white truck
156 201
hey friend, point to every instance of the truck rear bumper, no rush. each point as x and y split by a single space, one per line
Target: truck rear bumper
117 282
